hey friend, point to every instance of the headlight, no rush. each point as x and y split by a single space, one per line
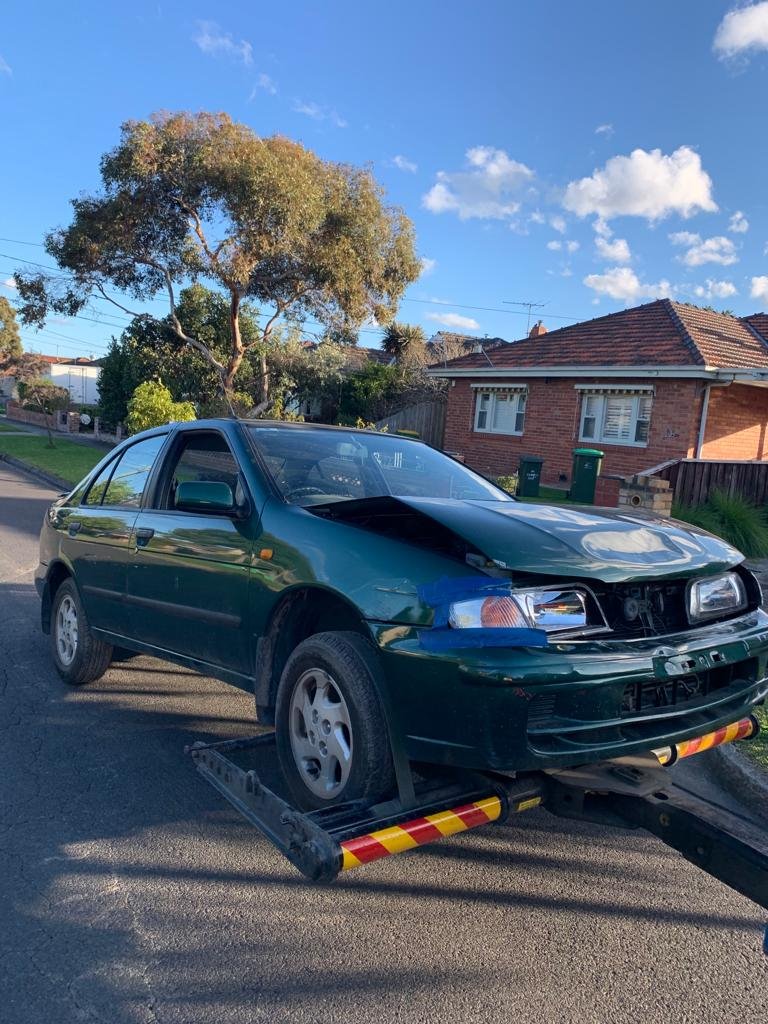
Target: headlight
550 609
719 595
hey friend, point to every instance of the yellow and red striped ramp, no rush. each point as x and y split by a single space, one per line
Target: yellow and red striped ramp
420 831
741 730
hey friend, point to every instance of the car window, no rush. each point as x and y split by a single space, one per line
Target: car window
129 479
312 465
203 458
96 491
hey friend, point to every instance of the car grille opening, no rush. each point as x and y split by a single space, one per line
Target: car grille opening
660 694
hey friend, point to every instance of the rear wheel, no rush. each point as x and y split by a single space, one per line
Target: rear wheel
332 736
79 656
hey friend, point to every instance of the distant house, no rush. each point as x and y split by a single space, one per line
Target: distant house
79 376
657 382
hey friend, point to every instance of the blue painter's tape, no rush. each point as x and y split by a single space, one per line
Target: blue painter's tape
445 592
446 639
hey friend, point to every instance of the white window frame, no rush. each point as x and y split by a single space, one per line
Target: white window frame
601 399
519 396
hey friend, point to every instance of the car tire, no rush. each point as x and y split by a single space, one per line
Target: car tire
331 729
79 656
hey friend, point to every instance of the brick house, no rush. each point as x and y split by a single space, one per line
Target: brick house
661 381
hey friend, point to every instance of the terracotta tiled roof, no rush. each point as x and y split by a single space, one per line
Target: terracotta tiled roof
723 340
661 333
759 323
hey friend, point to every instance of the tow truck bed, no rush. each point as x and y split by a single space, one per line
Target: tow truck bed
628 793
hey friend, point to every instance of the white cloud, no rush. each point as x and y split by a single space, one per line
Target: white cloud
738 223
318 113
454 320
427 265
216 43
616 251
602 228
717 249
561 246
537 217
759 288
404 164
558 223
715 289
623 284
644 184
5 67
486 191
10 283
265 83
742 30
604 129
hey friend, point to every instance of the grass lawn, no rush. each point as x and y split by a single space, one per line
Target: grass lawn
67 460
757 749
551 496
7 427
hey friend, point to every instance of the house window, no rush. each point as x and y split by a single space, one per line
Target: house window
616 419
500 412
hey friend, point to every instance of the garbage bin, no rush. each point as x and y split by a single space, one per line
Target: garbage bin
586 469
529 476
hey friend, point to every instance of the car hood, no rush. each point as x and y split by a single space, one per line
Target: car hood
603 544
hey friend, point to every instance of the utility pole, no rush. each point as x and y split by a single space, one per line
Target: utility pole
527 305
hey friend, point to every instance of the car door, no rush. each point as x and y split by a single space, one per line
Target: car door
98 532
187 587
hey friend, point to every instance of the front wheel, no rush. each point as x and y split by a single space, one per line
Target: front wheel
332 735
79 656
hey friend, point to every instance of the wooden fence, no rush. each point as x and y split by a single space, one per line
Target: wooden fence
693 480
426 418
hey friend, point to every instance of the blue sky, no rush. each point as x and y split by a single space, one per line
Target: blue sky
583 155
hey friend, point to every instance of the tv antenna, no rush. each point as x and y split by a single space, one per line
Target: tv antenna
527 305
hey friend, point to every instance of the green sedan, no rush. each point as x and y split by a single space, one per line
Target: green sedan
369 590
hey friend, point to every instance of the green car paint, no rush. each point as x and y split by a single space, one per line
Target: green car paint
228 593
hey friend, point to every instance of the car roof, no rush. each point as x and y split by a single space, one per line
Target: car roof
286 425
224 422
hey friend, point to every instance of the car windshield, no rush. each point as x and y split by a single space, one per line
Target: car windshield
311 466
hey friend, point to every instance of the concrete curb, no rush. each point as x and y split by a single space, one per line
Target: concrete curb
46 478
741 778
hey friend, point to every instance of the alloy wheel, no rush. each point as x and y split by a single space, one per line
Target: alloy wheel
321 733
66 631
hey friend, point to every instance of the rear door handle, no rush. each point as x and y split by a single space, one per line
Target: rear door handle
143 535
74 527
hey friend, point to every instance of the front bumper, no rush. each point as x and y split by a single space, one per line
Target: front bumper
572 702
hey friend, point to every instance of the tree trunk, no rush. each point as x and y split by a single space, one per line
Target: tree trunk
236 352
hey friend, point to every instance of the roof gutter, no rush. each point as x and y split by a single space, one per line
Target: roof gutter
653 373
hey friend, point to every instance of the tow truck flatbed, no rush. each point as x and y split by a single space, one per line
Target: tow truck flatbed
633 792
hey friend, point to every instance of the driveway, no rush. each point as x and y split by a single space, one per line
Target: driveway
132 893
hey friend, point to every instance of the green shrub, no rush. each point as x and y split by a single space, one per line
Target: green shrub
507 483
735 520
152 406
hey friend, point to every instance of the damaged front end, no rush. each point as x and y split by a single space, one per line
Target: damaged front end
563 636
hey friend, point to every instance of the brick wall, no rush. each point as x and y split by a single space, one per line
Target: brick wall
737 423
552 426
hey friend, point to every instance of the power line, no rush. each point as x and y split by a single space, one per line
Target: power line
430 302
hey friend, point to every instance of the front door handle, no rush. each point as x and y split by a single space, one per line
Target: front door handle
74 527
143 535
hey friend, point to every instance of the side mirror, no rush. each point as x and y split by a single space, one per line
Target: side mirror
205 496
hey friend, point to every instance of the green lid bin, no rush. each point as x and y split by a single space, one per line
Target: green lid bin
529 476
586 469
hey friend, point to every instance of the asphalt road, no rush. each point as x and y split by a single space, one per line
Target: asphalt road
130 892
